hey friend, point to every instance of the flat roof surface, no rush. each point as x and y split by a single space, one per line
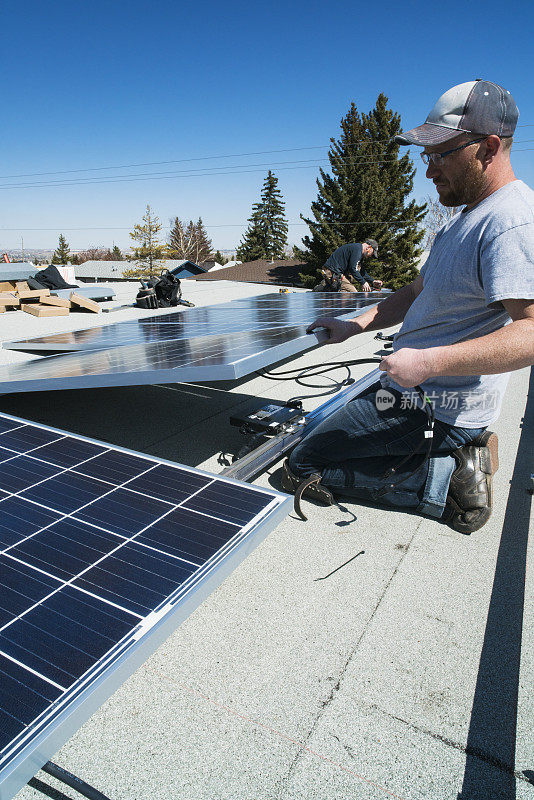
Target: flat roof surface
407 673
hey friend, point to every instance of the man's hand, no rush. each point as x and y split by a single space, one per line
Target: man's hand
338 329
407 367
378 284
365 287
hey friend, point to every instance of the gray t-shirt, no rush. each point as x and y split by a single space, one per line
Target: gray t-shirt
478 258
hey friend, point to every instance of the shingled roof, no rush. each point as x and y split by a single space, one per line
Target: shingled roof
283 273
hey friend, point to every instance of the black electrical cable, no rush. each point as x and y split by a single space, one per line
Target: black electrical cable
300 373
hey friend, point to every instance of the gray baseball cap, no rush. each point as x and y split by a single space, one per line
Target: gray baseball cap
374 244
480 107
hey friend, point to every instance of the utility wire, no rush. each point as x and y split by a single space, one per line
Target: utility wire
208 158
186 160
185 173
207 225
237 170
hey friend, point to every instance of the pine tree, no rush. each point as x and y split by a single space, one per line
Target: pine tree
219 258
62 254
116 254
150 248
203 245
366 196
266 235
191 243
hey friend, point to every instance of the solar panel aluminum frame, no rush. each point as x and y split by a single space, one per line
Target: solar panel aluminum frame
33 748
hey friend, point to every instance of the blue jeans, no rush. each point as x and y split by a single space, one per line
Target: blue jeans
356 445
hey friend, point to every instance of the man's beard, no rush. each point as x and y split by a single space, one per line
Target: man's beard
465 189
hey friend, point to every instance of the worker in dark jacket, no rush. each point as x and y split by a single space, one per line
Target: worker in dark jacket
349 259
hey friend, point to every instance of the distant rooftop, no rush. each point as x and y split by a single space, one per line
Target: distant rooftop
113 270
283 273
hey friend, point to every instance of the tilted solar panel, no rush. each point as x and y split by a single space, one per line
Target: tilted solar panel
247 314
103 552
224 356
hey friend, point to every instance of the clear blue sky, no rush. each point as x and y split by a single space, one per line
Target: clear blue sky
100 84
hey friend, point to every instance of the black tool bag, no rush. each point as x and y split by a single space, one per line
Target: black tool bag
162 292
168 290
333 284
146 297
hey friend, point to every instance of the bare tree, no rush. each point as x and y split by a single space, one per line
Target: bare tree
190 242
436 217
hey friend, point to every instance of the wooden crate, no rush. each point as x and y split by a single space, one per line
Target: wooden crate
39 310
84 302
61 302
8 299
33 294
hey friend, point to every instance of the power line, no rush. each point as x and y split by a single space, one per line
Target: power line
202 170
235 170
207 225
185 160
207 158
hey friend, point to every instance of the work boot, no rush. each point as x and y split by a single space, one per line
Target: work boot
470 498
310 486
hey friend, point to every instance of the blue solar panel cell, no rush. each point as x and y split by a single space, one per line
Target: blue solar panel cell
66 548
66 492
76 634
8 425
54 659
169 483
9 727
5 454
124 512
21 588
188 535
22 694
26 438
67 452
21 472
83 608
18 519
135 579
115 467
230 503
96 549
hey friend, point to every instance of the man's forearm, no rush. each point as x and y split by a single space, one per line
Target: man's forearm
509 348
388 312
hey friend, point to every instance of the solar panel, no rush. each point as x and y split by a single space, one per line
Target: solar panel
103 552
247 314
225 356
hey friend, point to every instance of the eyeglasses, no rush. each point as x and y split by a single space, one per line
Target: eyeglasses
434 157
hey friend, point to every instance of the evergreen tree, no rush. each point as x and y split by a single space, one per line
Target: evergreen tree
150 248
62 254
191 242
266 235
203 245
219 258
116 254
366 196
